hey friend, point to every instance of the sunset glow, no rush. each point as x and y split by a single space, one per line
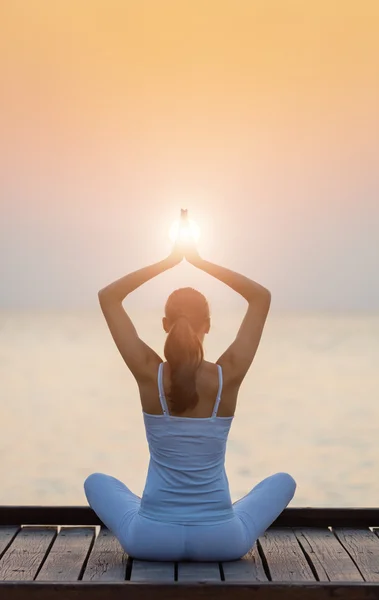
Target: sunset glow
260 117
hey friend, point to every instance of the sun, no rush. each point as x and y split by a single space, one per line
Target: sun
184 232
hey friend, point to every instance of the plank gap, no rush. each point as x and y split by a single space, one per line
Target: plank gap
362 545
247 569
107 560
7 535
329 557
284 556
85 562
308 558
46 553
129 566
27 553
264 560
67 555
348 552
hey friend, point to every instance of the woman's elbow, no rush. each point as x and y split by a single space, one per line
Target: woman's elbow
267 294
261 296
266 297
108 296
104 295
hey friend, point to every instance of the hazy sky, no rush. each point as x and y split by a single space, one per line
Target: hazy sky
259 116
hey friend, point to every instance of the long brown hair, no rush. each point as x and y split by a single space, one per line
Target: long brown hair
186 311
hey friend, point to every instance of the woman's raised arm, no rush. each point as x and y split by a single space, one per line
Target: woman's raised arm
138 356
237 359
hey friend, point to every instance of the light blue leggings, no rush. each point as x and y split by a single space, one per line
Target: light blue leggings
147 539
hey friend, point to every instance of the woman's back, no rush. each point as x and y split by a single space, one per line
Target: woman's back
207 385
186 480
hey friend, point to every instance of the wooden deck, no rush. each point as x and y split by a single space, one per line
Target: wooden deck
57 553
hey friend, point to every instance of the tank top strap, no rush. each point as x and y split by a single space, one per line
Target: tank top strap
162 397
218 398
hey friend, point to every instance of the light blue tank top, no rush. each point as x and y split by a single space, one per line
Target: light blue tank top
186 480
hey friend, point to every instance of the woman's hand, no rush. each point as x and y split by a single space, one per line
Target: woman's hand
188 244
185 244
184 249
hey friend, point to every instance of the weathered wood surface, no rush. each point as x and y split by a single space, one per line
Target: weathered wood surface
288 563
107 561
328 557
149 572
284 557
67 555
6 537
26 553
248 569
363 546
198 572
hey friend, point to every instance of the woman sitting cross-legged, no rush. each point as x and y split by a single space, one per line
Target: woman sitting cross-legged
188 404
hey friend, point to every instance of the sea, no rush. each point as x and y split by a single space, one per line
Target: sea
308 406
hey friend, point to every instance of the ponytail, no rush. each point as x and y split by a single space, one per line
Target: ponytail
184 353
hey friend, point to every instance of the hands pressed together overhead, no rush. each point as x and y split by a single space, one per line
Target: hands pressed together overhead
137 354
185 243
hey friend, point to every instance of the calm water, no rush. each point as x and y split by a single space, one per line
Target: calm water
309 406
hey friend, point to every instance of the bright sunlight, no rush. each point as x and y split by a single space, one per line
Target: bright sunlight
184 230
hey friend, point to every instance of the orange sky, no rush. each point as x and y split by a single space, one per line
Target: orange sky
259 115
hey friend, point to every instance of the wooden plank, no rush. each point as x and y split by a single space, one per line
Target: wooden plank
363 547
107 561
25 555
67 555
248 568
198 572
327 555
284 557
7 535
145 571
290 517
123 590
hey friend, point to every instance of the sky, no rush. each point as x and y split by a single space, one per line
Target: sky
259 116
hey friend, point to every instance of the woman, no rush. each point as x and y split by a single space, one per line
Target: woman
188 407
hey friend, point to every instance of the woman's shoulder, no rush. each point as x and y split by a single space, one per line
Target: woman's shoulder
211 380
215 370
